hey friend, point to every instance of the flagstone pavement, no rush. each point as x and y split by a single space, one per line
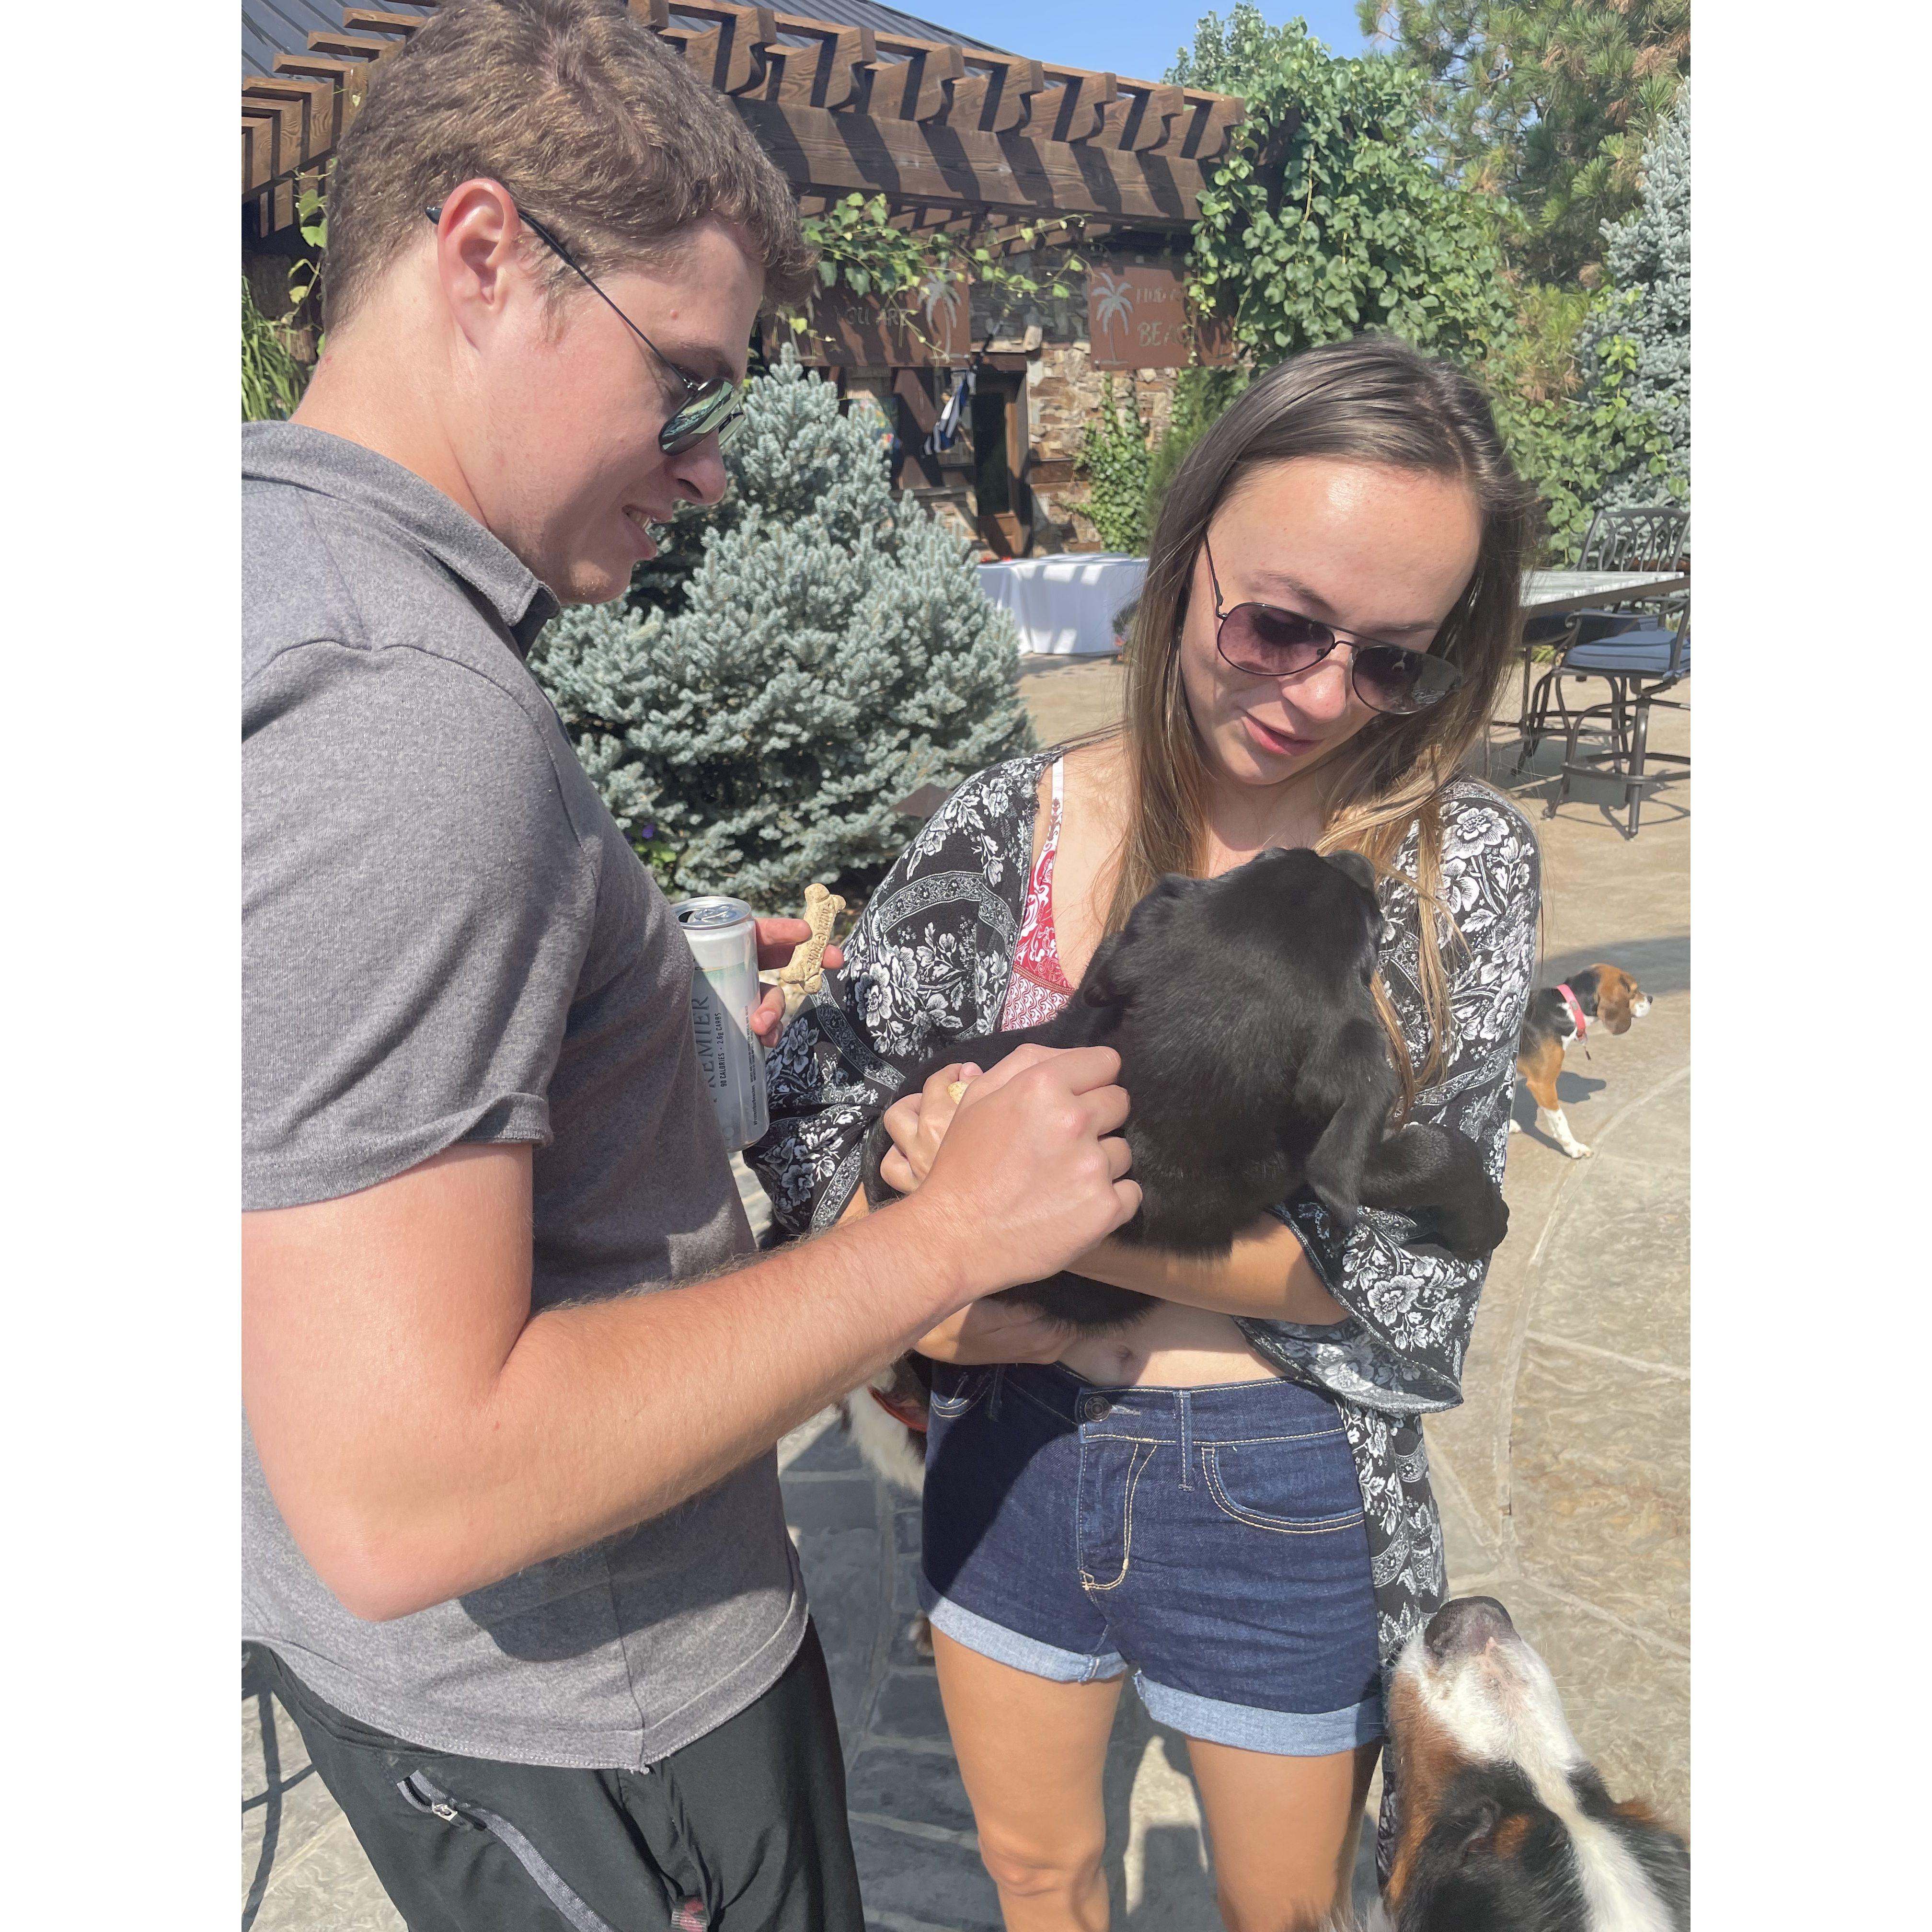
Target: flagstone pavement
1564 1478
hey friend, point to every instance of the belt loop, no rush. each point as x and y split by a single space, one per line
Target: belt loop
1186 1442
993 1394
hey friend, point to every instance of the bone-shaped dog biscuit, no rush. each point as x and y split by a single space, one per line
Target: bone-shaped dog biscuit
802 975
956 1091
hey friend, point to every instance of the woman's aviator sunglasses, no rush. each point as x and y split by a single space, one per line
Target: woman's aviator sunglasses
1267 642
710 403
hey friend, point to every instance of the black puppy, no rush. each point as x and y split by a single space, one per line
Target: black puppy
1241 1009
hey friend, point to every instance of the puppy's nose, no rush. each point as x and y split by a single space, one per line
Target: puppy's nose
1465 1624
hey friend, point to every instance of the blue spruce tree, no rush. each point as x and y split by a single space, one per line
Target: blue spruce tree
1640 346
832 653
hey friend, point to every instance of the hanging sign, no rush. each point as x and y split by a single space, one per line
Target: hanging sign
846 330
1137 319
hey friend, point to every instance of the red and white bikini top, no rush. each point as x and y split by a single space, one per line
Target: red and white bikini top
1039 986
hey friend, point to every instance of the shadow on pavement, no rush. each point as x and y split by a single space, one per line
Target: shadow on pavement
268 1799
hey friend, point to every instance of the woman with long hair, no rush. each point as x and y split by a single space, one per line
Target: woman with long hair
1229 1498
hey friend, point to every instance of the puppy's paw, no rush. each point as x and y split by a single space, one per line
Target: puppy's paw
1514 1127
918 1632
1576 1151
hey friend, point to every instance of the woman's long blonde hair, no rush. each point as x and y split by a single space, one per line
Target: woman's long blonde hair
1372 400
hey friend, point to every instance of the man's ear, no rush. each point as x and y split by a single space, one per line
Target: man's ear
477 252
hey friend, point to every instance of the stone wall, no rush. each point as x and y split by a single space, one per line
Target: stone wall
1063 395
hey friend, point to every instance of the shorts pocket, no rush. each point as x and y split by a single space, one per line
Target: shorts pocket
1299 1485
955 1390
422 1792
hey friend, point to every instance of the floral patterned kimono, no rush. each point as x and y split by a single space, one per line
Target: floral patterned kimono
929 962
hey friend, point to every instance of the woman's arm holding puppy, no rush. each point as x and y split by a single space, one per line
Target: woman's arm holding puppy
1266 1276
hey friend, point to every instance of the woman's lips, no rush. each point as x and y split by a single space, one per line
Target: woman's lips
1282 744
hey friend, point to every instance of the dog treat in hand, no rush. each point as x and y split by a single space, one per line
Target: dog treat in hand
956 1091
800 977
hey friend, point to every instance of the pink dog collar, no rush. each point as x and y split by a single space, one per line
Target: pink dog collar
1575 1011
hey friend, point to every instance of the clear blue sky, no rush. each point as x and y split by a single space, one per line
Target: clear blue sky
1136 37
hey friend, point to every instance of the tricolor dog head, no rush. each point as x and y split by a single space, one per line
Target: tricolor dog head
1608 995
1505 1826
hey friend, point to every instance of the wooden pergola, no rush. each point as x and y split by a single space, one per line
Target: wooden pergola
951 136
962 138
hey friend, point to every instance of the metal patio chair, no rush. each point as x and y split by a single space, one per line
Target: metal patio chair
1638 664
1656 537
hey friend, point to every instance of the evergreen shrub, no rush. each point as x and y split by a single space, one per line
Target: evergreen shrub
1642 340
831 652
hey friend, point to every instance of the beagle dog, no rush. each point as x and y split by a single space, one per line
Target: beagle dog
1605 994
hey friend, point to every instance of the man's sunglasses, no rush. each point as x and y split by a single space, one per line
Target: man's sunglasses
712 403
1267 642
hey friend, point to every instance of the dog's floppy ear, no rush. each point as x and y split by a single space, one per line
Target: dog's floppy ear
1356 867
1335 1167
1108 978
1098 985
1613 997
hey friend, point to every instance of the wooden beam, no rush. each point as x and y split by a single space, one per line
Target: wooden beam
730 56
942 165
993 98
314 128
826 72
352 46
1073 105
374 20
1138 119
258 152
1211 120
314 67
912 87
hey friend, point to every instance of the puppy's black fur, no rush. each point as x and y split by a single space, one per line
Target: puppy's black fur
1241 1009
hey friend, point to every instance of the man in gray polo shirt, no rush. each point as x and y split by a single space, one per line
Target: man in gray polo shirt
512 1535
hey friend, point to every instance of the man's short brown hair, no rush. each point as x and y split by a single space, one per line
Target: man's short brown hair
583 113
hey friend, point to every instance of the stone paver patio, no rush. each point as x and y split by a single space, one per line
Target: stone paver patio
1564 1478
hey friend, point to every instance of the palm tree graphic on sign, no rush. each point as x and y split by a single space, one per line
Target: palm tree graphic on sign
1113 303
941 292
939 302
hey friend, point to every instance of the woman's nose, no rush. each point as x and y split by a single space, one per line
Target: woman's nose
1322 692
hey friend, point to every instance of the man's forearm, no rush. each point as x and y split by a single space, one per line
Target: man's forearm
606 1414
424 1434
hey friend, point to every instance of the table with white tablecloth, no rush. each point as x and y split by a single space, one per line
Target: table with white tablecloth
1064 606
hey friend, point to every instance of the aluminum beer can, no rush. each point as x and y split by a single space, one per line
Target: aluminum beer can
723 937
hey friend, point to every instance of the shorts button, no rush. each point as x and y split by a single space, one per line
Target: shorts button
1094 1408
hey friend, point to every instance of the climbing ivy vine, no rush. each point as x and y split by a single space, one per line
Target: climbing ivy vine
1115 460
907 272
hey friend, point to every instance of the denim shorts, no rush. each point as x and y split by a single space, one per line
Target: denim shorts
1210 1541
